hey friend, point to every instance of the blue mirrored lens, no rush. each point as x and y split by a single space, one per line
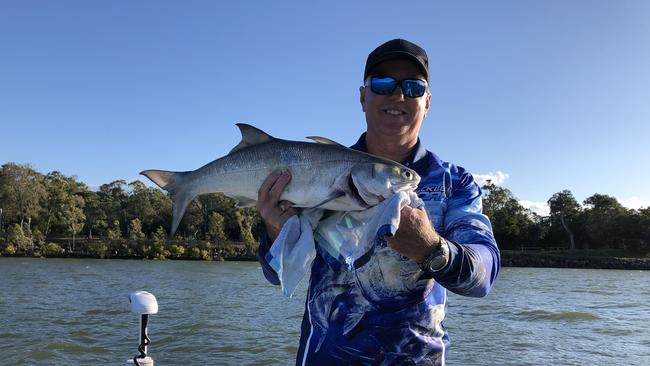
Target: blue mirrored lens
384 85
413 88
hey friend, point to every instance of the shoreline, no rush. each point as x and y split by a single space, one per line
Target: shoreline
509 258
573 259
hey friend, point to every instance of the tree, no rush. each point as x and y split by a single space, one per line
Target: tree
136 236
158 248
565 210
52 250
216 231
135 230
604 217
247 218
510 220
94 212
21 189
114 200
17 239
150 205
114 232
63 204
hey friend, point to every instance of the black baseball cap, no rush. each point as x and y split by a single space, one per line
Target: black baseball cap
398 48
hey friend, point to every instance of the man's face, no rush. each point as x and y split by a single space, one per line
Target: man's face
395 114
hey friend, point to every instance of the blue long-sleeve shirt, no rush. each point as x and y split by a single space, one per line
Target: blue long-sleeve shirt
386 311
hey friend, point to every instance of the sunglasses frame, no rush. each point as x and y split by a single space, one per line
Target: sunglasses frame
369 83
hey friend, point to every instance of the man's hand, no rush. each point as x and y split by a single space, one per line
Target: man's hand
415 238
273 211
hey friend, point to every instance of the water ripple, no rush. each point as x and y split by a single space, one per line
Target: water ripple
540 314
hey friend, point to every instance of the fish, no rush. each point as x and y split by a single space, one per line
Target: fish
324 174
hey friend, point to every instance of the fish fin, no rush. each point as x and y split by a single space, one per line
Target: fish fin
324 140
180 201
333 196
244 202
251 136
172 183
162 178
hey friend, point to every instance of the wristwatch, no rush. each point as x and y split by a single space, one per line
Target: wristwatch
438 259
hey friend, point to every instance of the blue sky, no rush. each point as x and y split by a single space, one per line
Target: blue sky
548 95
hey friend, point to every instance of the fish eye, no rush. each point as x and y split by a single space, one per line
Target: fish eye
407 174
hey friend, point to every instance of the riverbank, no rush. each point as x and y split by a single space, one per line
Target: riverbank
234 251
586 259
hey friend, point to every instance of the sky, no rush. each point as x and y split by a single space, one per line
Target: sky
539 96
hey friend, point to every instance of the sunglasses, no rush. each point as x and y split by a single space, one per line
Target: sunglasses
385 85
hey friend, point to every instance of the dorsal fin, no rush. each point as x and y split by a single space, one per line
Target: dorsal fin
324 140
251 136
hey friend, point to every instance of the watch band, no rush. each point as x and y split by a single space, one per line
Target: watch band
438 259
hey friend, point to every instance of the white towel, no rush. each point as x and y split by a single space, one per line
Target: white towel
345 235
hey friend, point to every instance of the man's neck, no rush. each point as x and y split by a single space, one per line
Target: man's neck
395 148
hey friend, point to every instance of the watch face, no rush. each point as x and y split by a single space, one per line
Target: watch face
439 258
438 262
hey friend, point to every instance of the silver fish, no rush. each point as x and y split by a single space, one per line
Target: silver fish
325 174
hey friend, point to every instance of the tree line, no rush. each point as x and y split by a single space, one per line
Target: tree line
55 215
600 222
49 214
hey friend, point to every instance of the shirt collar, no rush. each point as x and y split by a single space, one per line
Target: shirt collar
416 160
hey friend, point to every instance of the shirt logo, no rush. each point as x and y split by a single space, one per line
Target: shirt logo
432 189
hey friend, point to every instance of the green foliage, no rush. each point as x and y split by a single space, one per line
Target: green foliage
94 212
21 190
63 204
16 237
565 212
38 237
121 248
52 250
510 220
216 232
114 232
176 251
135 230
158 249
150 205
9 249
603 221
114 198
98 249
247 219
198 253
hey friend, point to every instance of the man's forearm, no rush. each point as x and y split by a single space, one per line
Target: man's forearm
471 270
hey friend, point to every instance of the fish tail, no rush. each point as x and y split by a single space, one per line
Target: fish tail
172 183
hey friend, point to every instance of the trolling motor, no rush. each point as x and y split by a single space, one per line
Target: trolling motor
143 303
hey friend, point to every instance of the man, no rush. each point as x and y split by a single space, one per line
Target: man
388 309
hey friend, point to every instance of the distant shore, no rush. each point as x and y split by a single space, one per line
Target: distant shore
587 259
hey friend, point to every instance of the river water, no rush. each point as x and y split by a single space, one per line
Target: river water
76 312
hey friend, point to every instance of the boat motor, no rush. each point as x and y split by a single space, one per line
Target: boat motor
144 304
